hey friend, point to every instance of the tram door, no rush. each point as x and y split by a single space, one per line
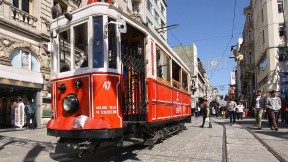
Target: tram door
133 62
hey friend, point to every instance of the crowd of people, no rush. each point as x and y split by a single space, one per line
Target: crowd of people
269 106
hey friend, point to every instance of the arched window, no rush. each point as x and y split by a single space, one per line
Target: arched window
25 59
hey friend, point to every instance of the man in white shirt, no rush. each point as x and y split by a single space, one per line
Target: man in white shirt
231 107
259 105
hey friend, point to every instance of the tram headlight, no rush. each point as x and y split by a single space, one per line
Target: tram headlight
70 103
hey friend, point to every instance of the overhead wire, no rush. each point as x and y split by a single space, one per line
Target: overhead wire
228 44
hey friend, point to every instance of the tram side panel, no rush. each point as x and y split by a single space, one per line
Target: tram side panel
165 103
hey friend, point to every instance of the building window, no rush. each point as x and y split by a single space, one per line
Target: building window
249 36
163 65
25 59
263 64
22 5
263 36
280 6
282 53
281 30
149 6
262 15
249 58
162 24
162 10
249 17
156 16
149 21
156 2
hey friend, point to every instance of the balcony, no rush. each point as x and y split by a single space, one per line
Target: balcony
249 69
12 15
23 17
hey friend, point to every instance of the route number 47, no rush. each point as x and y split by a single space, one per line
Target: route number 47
106 85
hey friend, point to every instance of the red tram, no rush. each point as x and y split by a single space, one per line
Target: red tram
133 85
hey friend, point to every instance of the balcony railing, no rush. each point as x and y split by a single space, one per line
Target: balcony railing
23 16
10 13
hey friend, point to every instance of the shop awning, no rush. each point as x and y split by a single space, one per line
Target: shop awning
21 77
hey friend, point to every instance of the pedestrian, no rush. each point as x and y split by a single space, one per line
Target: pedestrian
196 111
223 111
30 119
284 110
231 109
273 103
216 111
206 114
13 107
240 109
259 105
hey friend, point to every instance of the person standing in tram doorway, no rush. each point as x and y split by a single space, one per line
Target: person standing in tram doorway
30 120
206 114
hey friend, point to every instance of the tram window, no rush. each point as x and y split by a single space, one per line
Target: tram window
184 80
81 46
176 74
64 51
163 65
98 54
112 45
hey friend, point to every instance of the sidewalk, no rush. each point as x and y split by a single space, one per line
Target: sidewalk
11 129
241 144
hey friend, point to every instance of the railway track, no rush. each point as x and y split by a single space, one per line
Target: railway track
273 151
268 147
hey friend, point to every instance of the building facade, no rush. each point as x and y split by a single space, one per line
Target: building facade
263 48
25 56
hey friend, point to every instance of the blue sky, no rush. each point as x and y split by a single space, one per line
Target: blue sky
208 24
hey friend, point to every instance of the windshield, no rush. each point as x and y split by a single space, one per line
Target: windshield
80 50
64 51
98 54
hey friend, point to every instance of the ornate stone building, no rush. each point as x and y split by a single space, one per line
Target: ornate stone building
25 56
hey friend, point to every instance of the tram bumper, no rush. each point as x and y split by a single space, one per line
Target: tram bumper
81 127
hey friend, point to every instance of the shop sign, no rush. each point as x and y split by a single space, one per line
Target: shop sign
19 115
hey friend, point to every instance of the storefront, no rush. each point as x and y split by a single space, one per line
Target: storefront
16 83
